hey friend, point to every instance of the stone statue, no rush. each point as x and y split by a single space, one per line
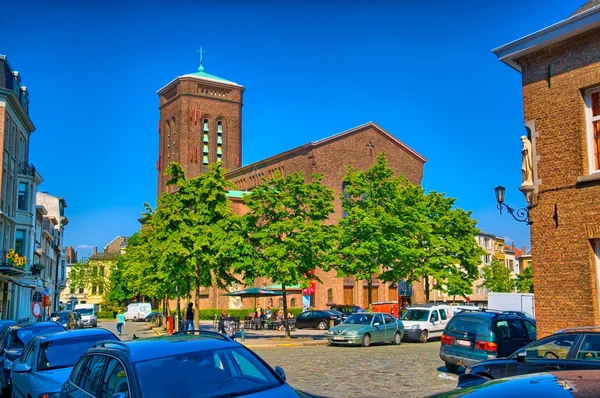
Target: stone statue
526 162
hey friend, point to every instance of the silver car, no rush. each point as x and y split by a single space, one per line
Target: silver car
47 361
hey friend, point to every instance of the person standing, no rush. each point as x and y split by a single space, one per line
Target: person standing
120 321
189 316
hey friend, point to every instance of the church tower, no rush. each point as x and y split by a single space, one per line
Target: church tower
200 123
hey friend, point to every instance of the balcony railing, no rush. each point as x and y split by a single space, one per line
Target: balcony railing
9 267
26 169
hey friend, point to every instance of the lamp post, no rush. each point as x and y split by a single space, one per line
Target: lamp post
521 215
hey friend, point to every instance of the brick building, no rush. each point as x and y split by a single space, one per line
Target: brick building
201 122
560 67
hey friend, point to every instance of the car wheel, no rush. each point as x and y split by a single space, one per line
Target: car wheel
397 338
423 337
322 325
366 340
451 367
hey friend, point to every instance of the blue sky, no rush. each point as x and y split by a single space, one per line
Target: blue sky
423 70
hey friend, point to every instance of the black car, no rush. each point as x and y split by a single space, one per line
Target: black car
473 336
318 319
152 316
207 365
12 341
346 309
70 320
574 383
568 349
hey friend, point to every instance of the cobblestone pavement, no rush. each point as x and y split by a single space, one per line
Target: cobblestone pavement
140 329
408 370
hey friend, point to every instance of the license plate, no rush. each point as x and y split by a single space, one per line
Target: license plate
464 343
338 338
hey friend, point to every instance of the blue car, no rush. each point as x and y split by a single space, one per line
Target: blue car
205 365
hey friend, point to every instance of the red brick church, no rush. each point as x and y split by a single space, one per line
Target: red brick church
201 123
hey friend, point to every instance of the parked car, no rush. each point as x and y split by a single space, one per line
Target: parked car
137 311
68 319
366 328
6 323
209 364
151 316
47 360
422 322
347 309
475 336
12 341
573 383
568 349
89 314
318 319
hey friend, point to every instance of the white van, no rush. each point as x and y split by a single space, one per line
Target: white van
138 311
424 321
89 314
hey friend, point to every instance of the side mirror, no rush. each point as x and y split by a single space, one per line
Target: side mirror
280 372
21 368
521 355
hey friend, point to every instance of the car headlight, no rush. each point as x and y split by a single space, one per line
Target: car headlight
353 333
414 327
49 395
8 364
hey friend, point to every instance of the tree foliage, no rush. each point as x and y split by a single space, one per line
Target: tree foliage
93 273
524 281
286 230
395 230
497 277
191 240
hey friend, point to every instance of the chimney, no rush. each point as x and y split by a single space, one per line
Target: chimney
524 249
94 250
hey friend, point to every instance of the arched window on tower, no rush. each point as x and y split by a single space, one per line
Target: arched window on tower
219 140
205 141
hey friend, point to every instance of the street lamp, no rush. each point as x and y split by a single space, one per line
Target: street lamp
521 215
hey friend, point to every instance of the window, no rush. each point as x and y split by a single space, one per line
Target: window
94 290
293 303
443 314
330 295
22 199
91 374
20 241
434 316
590 348
281 303
100 290
80 290
115 380
388 319
596 248
593 115
554 347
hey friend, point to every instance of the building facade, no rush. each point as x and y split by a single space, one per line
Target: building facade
201 123
560 68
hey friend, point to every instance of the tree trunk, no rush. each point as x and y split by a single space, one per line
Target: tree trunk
197 305
286 326
370 290
426 288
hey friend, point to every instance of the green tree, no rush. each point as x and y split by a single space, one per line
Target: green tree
191 240
93 273
394 229
118 293
525 281
497 277
286 230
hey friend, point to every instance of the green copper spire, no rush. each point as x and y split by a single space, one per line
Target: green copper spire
201 74
201 67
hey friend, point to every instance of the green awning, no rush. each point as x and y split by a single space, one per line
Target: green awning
278 287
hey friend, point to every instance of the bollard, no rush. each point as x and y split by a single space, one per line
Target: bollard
330 323
243 337
170 324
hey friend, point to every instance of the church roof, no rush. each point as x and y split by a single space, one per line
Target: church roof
200 74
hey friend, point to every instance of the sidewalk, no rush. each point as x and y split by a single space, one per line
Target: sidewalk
266 338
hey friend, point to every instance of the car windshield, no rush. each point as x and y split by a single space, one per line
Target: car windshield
225 372
65 353
416 315
336 312
85 311
359 319
20 337
63 317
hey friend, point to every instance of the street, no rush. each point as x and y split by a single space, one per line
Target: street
408 370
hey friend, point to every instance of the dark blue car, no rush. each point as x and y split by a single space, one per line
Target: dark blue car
205 365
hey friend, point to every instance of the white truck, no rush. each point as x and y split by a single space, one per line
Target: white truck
518 302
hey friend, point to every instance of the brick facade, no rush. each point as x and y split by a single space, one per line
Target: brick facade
566 208
357 147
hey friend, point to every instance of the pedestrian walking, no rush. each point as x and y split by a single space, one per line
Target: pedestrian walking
189 316
120 321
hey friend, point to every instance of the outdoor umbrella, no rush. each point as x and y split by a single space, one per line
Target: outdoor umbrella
254 292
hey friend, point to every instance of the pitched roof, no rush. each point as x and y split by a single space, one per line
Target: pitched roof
589 4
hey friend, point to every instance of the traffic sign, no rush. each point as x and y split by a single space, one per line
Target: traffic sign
36 310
